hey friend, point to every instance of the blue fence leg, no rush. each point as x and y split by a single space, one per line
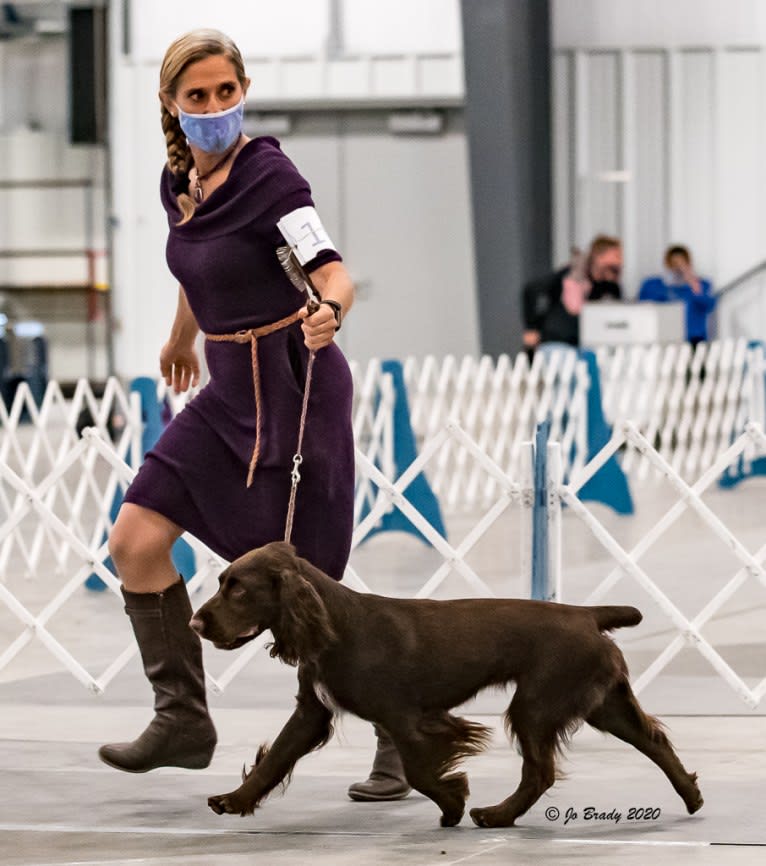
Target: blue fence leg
609 485
734 474
540 580
152 418
419 492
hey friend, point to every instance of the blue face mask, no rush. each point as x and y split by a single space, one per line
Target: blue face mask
673 278
213 133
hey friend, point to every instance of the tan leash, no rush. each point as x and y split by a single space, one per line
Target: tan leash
288 258
295 475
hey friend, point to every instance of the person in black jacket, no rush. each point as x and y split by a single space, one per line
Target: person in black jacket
552 305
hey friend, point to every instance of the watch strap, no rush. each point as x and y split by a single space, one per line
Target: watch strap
337 310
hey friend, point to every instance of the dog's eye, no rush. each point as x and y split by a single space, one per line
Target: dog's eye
235 590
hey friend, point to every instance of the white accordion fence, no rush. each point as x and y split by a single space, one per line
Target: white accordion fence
498 404
687 628
690 404
40 451
472 419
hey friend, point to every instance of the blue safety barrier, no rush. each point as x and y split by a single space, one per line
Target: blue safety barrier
610 484
737 473
154 422
419 492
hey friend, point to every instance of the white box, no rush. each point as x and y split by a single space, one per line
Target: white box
604 323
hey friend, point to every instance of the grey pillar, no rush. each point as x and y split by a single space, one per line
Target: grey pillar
508 123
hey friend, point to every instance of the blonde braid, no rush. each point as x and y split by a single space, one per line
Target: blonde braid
179 161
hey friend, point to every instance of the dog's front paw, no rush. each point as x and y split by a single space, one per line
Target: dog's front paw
491 816
229 804
451 819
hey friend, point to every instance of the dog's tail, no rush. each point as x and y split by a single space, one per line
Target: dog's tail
614 616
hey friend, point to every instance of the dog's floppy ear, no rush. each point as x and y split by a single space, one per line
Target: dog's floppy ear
304 627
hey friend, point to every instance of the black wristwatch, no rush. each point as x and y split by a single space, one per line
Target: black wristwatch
337 312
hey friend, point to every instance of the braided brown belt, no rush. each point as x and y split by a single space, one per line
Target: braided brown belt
252 335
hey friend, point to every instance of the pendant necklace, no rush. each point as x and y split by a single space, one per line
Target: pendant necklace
197 191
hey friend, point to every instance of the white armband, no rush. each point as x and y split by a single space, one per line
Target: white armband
304 232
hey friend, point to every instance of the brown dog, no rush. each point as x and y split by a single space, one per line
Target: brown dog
404 664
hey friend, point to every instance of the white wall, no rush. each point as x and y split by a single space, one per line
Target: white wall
647 23
370 26
260 28
300 27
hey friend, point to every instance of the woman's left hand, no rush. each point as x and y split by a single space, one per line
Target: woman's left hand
319 328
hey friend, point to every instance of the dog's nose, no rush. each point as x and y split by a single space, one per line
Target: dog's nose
196 624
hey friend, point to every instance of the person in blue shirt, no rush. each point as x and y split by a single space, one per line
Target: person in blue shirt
679 282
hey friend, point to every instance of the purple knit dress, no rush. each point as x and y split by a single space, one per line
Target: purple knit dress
196 475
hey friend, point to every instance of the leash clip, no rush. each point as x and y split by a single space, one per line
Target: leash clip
295 475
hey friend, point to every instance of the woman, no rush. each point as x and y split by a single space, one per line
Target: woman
552 305
221 470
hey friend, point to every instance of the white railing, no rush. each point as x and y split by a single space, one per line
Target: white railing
77 536
498 404
94 458
57 488
690 404
688 626
36 443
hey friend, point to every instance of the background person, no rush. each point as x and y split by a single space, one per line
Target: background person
679 282
552 305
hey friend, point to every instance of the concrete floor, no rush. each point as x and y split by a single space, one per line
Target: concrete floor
62 806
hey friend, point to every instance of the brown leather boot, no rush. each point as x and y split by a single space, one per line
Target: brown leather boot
387 780
181 734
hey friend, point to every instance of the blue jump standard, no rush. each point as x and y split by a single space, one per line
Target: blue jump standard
609 485
540 561
419 493
736 473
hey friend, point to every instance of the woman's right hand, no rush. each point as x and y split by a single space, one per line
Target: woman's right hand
692 280
179 366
